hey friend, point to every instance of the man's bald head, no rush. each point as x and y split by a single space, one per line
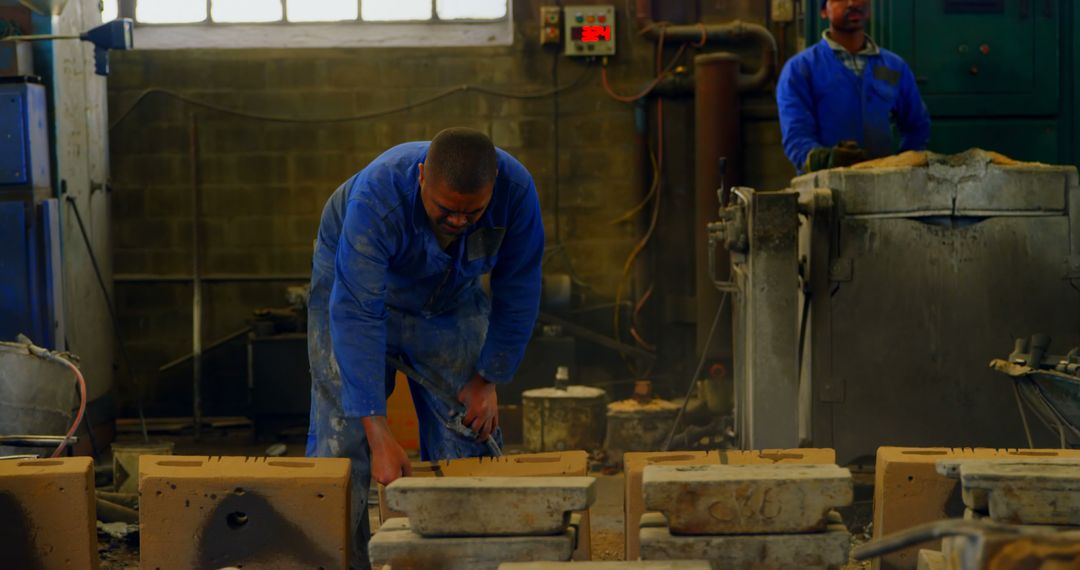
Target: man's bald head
462 159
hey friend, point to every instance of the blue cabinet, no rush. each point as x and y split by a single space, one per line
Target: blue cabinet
24 137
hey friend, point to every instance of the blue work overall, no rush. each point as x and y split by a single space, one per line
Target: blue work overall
821 103
381 284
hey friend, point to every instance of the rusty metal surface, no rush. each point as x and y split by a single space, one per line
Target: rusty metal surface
941 265
717 135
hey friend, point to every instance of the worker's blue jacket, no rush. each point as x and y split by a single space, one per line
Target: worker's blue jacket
394 288
821 103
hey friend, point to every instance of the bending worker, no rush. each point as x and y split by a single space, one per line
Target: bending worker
837 98
401 247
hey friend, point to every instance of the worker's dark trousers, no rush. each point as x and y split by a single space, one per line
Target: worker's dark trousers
425 344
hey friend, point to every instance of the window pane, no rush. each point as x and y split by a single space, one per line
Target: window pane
470 9
321 10
170 11
245 10
109 10
395 9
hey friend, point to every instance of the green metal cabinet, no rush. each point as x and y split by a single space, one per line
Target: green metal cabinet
977 60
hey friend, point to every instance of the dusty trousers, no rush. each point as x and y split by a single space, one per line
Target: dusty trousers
445 346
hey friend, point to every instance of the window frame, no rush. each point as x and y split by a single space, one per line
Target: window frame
126 9
358 33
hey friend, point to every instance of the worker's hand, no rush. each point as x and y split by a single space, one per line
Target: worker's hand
481 406
818 159
388 458
846 153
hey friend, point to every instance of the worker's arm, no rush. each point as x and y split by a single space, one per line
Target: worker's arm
515 290
795 103
515 302
912 116
358 329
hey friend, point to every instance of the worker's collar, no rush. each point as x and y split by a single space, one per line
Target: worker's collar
420 217
870 48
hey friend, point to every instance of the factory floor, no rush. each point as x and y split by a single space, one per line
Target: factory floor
607 513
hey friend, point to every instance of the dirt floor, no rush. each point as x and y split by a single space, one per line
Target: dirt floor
607 513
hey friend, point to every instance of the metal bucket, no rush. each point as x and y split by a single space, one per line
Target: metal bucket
36 396
126 462
563 419
638 426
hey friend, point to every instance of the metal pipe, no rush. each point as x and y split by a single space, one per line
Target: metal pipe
731 32
588 334
37 440
227 338
718 155
196 285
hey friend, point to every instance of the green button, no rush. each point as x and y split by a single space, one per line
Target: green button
580 18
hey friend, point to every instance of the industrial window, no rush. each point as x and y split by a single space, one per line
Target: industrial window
267 11
313 23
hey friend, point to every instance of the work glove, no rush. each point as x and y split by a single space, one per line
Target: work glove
845 153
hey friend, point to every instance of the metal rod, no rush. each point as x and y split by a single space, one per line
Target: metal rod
207 277
139 388
196 295
593 336
229 337
36 440
38 38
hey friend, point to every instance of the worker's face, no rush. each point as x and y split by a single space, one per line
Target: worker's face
451 212
847 15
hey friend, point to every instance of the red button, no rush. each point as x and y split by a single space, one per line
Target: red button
603 19
985 49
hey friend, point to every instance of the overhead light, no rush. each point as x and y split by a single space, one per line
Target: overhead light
114 35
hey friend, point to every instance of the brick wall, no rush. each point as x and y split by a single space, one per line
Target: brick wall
264 183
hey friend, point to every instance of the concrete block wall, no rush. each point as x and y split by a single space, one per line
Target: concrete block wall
264 183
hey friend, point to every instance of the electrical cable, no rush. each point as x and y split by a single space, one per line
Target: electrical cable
634 320
648 88
656 189
628 265
115 317
348 118
556 162
1023 416
700 365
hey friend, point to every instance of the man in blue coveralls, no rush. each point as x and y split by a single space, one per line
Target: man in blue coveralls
837 98
398 259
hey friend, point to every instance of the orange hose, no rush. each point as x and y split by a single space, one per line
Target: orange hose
82 406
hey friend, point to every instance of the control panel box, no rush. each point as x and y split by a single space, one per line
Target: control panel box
550 25
589 30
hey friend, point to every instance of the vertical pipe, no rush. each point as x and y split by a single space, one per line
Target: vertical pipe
716 135
196 284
